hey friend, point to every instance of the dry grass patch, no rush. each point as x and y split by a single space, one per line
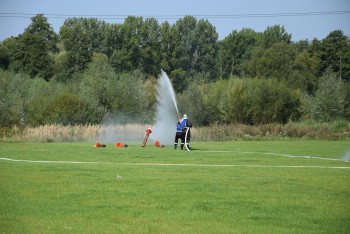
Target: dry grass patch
60 133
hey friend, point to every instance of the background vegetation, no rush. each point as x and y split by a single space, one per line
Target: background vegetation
92 71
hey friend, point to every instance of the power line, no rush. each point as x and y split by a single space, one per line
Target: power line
233 16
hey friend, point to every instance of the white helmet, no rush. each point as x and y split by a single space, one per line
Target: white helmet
185 116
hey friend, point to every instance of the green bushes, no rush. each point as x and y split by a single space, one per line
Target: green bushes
87 100
255 102
259 101
329 100
100 93
247 101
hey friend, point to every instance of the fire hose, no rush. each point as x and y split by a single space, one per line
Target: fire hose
186 139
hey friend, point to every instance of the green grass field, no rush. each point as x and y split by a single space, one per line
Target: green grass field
233 187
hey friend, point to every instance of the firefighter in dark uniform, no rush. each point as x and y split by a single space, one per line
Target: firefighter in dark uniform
178 134
186 124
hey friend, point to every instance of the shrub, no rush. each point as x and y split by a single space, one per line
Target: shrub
329 99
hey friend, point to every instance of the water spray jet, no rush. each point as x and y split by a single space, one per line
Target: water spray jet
171 91
167 112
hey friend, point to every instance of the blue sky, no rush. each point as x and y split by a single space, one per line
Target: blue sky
301 27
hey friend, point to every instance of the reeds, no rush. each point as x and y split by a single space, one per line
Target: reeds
61 133
135 132
302 130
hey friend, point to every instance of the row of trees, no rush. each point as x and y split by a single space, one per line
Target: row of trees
183 50
187 47
93 70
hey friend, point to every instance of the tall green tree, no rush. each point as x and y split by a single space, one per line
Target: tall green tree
167 46
302 45
185 29
113 39
128 55
195 51
235 49
206 53
182 54
4 55
33 48
150 50
334 54
304 72
275 34
277 61
82 37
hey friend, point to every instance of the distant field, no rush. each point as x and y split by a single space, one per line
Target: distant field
232 187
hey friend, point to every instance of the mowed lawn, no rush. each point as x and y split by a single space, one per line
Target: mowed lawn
233 187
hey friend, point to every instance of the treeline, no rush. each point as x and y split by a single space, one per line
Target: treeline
93 71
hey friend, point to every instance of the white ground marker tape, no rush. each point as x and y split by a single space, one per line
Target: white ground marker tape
175 164
273 154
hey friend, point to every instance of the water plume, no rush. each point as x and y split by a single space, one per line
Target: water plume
167 112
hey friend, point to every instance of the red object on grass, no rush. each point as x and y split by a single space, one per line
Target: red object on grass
148 131
118 144
157 144
99 145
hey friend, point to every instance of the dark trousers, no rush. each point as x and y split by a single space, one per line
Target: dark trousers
177 137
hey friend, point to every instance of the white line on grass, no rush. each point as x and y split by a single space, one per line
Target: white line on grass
270 153
174 164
